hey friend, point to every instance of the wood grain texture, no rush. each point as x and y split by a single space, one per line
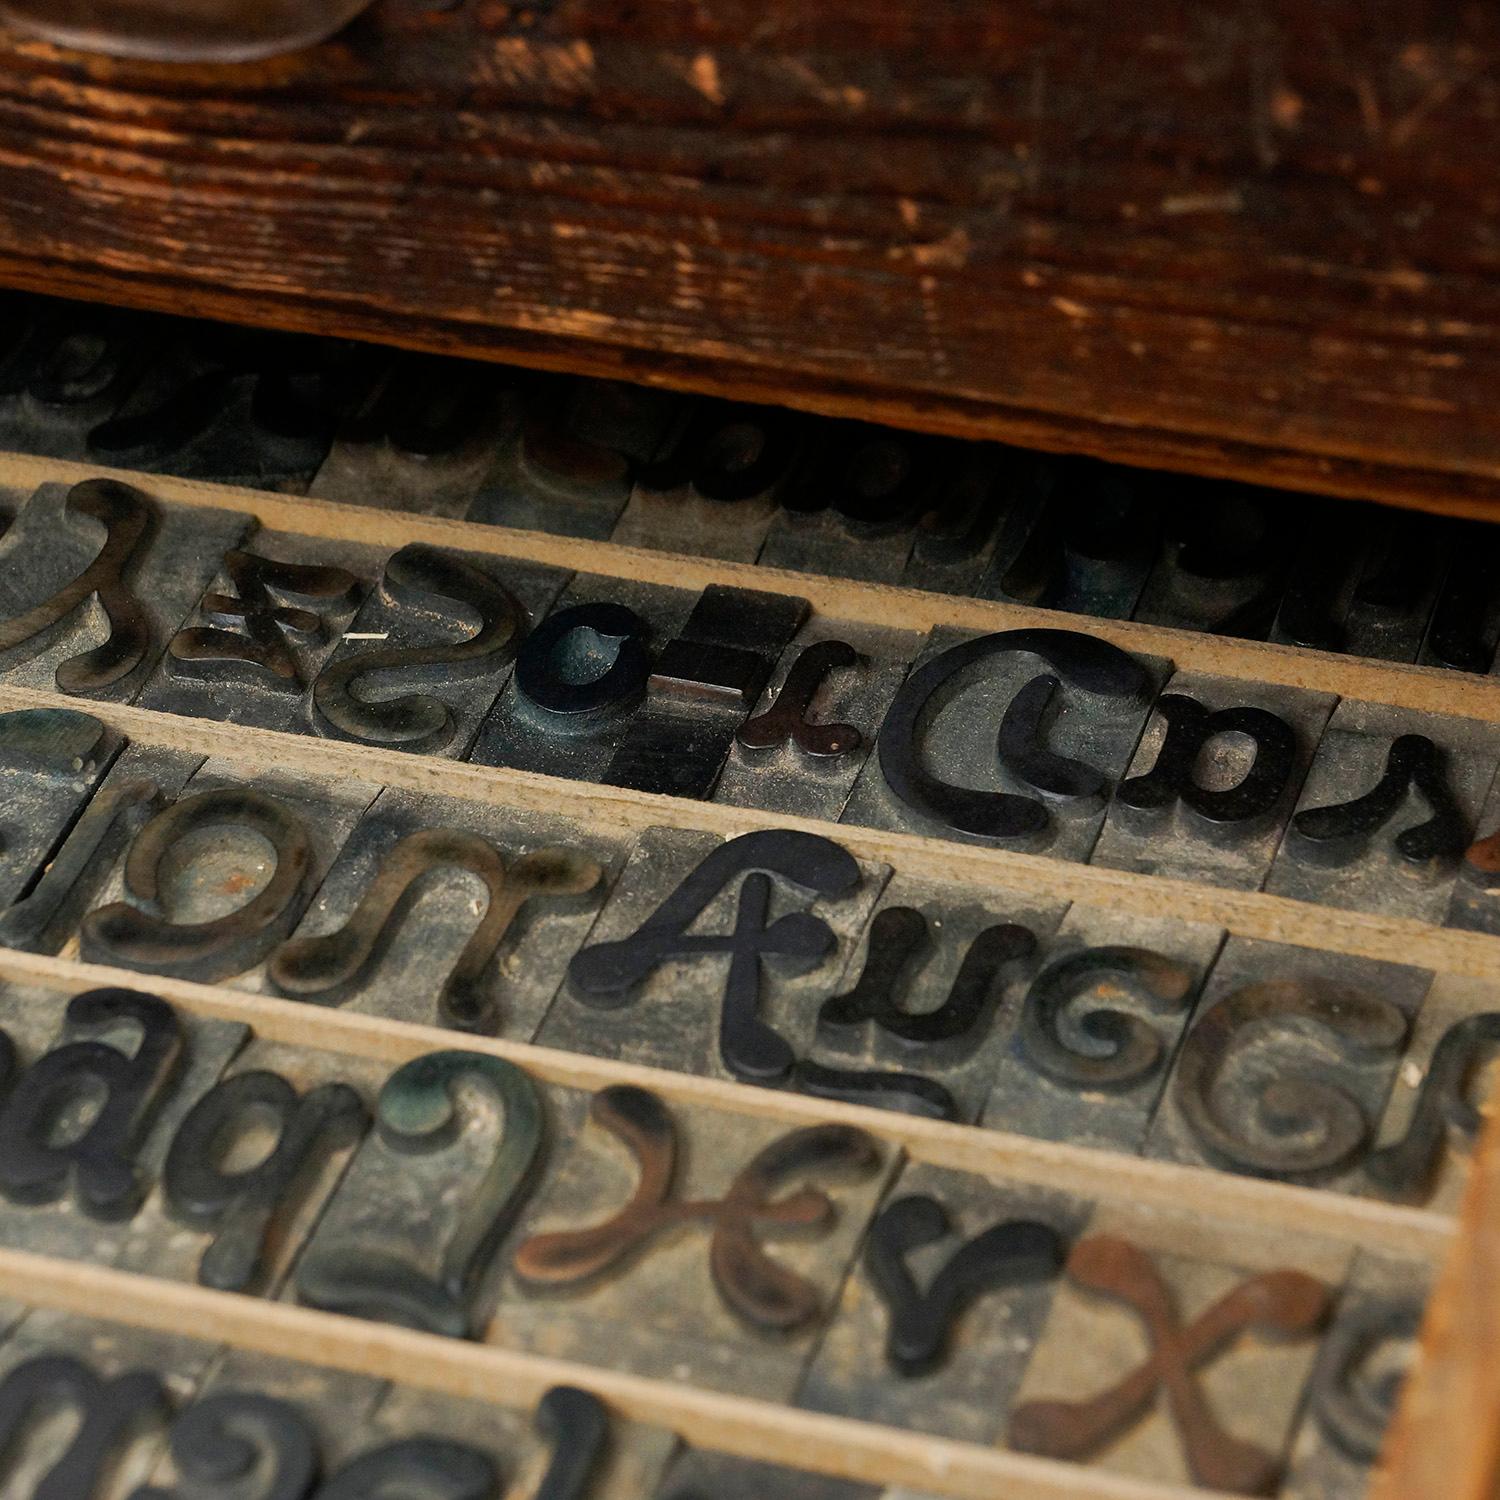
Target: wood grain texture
1247 239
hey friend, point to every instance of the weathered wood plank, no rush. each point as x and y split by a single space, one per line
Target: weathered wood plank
1256 240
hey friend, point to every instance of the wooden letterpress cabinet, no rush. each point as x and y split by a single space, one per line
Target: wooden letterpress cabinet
748 750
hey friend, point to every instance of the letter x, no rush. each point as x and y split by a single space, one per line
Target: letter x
1279 1303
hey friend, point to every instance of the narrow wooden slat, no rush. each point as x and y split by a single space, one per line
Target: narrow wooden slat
1086 1171
1446 1437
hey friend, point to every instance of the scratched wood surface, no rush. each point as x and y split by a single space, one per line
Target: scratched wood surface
1256 240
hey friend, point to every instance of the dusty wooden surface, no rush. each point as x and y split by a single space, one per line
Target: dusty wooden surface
1255 239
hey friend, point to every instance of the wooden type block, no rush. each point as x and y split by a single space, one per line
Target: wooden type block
256 640
552 875
1387 811
248 857
534 728
658 1309
971 955
166 1241
990 1328
425 440
1366 1353
1433 1113
94 580
711 489
432 646
52 760
35 1020
1210 802
1165 1272
794 753
953 738
674 1016
165 1371
1066 1073
141 781
1288 1063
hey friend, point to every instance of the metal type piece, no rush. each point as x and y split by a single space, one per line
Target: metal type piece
328 968
427 579
241 1207
973 1322
1190 727
1135 979
51 761
585 637
1015 1251
1224 562
567 464
1122 1049
814 725
1338 833
125 515
911 1093
1406 559
957 531
1387 811
94 578
429 1468
786 721
419 1114
1465 624
1406 1168
111 1413
606 974
1080 536
1326 562
580 677
1043 796
759 1290
448 933
711 488
705 680
232 1439
99 1163
1285 1304
1212 781
1352 1399
31 923
576 1425
950 1031
141 936
425 439
250 628
1299 1124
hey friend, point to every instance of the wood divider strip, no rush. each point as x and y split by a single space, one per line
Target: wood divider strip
1087 1171
743 1426
1446 1439
1426 689
1255 914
